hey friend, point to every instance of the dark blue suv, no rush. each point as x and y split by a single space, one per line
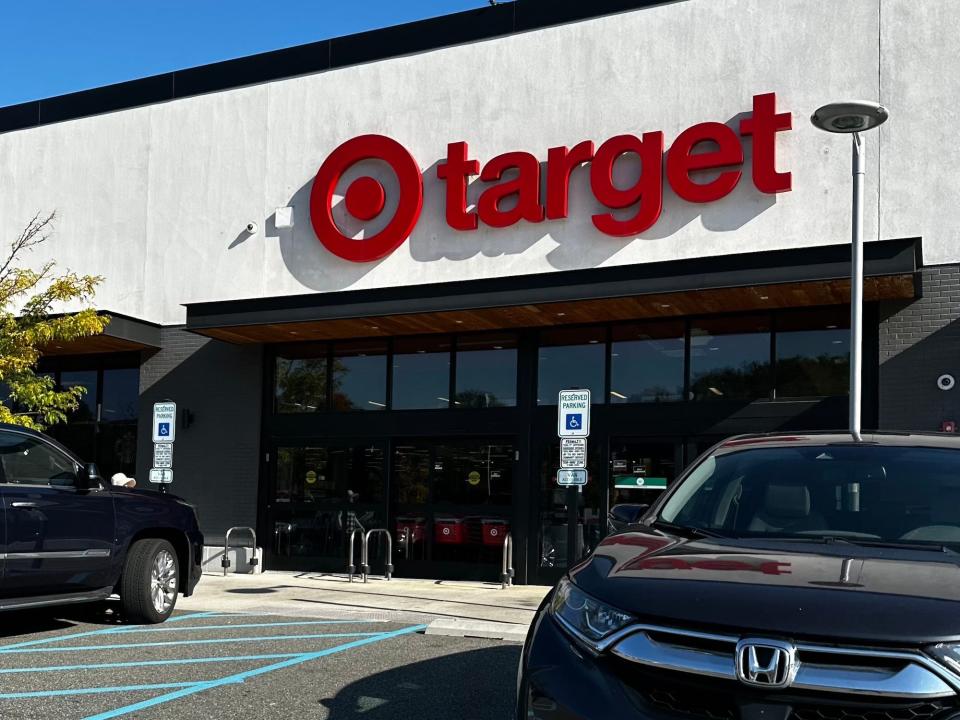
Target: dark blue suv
68 536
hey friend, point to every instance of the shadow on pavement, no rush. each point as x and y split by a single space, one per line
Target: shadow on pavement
475 685
26 622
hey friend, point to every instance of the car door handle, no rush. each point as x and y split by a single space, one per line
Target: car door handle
24 505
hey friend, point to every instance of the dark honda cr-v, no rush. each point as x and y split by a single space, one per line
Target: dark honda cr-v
783 577
69 537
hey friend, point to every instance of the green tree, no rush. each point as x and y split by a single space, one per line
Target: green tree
28 325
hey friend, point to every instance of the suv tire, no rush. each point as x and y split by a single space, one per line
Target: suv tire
150 582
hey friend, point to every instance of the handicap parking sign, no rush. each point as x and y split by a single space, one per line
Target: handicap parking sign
164 422
573 413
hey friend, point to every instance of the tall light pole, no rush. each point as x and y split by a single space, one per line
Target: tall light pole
854 117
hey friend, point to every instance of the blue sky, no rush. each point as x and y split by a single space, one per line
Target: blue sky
51 47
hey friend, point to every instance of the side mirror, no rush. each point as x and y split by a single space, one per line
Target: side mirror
90 477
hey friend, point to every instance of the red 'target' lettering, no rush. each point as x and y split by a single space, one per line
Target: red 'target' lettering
647 191
455 171
560 165
764 126
526 186
639 205
681 161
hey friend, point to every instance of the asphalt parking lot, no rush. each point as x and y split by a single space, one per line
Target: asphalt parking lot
85 664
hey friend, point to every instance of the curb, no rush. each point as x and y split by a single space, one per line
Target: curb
456 627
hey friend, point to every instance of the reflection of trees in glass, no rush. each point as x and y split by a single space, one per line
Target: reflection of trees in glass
341 400
751 380
654 393
301 384
822 375
477 399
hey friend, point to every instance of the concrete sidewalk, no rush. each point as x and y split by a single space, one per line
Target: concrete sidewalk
452 607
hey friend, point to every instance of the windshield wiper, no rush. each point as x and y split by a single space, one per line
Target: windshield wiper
686 530
861 542
900 545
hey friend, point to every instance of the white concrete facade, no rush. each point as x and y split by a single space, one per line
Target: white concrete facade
156 198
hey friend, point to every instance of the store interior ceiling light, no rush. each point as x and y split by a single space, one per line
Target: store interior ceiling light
849 116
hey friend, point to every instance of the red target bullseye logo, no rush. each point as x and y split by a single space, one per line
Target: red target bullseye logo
365 198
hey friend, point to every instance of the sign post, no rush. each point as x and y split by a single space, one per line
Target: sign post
164 434
573 429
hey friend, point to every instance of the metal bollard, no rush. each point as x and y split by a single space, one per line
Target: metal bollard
506 571
351 568
365 567
225 561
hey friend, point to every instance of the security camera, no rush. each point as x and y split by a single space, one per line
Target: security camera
251 227
946 382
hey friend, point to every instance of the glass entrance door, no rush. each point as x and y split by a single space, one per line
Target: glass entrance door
320 494
570 519
640 470
451 506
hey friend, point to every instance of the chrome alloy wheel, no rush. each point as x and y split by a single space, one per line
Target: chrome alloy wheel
163 581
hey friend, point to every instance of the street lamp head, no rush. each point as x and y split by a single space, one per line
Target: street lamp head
849 116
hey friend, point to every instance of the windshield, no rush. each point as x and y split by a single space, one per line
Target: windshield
866 492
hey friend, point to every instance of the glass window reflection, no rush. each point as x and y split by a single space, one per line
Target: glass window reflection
730 358
421 374
646 363
360 376
87 379
121 394
813 353
300 384
486 371
571 358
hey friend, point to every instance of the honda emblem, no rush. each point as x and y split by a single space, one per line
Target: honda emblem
766 663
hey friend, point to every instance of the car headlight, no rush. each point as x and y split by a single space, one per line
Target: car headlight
948 655
588 619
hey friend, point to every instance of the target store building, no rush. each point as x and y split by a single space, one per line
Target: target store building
365 267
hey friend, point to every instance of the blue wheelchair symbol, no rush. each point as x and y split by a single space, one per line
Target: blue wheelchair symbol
575 422
163 429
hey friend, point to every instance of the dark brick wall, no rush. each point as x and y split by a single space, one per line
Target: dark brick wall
216 459
919 341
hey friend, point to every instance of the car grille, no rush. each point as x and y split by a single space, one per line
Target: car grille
680 695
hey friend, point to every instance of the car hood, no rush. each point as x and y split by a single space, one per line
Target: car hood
810 590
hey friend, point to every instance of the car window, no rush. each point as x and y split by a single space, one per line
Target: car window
28 461
858 491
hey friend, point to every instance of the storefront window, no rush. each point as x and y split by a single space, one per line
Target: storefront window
646 363
323 494
421 373
813 353
571 358
121 395
486 371
730 358
87 379
360 376
300 384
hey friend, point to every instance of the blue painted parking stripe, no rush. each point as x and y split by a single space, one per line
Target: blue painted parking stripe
170 643
193 616
145 663
240 626
96 691
241 677
90 633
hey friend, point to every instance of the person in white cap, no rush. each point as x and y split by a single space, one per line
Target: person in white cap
121 480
